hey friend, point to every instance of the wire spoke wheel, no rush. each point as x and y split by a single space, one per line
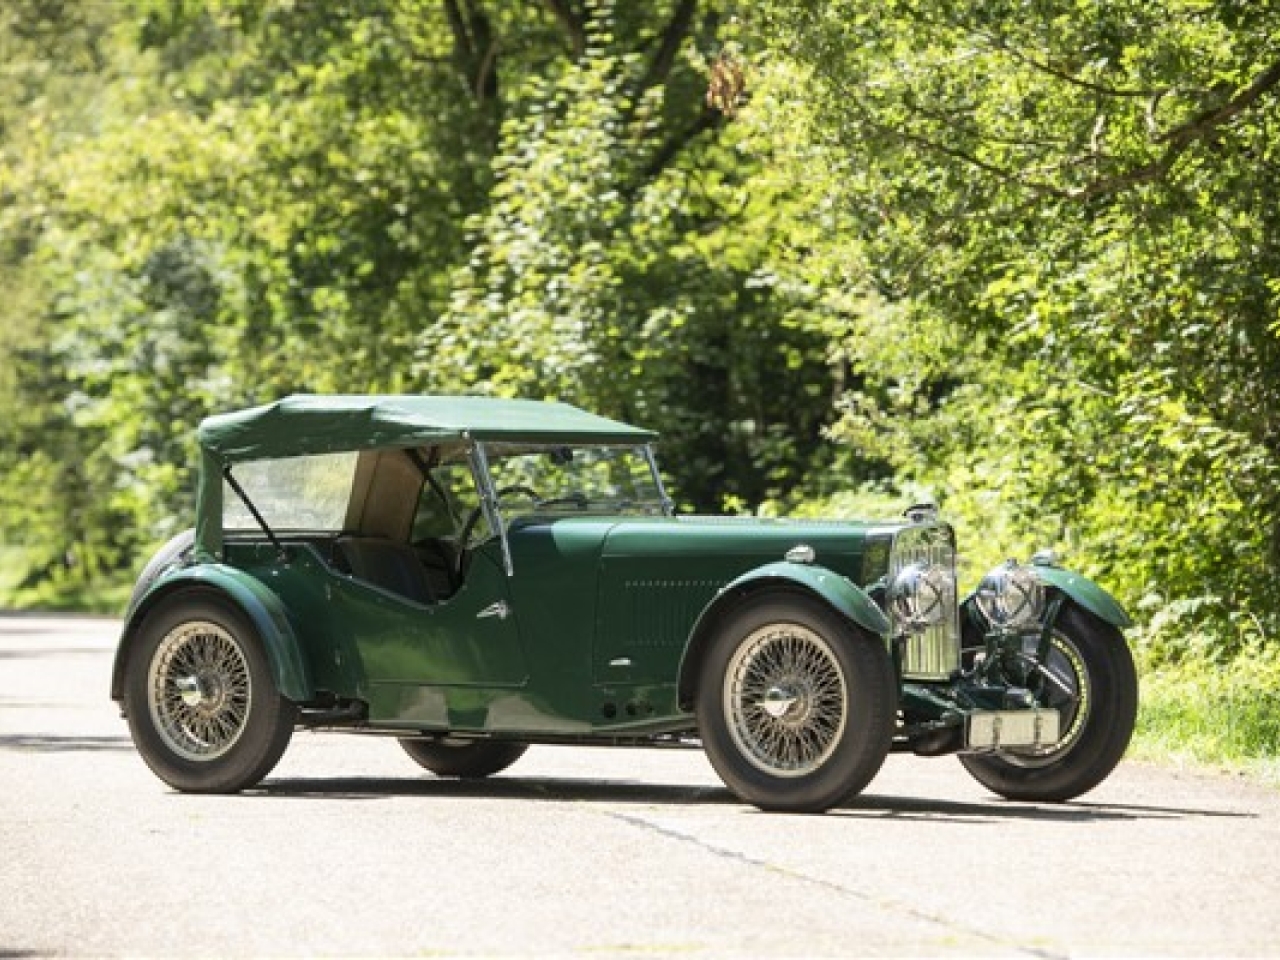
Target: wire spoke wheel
786 699
200 690
203 706
796 705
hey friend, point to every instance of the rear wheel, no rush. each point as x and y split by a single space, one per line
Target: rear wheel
1089 677
468 759
796 706
203 709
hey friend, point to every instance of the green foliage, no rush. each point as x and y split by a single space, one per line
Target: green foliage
1060 223
245 199
257 207
626 263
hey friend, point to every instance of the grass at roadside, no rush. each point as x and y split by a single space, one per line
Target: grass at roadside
1224 717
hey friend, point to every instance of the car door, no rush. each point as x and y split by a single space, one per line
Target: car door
429 659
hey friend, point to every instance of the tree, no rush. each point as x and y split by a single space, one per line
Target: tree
1076 205
625 263
246 199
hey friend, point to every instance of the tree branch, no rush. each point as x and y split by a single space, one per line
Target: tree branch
1219 115
934 146
461 38
1180 139
474 48
573 23
1177 141
708 119
1071 78
672 37
484 53
486 75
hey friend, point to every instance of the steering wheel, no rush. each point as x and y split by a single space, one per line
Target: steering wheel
529 492
576 498
464 537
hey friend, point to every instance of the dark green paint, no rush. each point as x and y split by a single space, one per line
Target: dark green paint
598 632
1086 593
314 424
602 612
264 608
832 588
310 424
837 591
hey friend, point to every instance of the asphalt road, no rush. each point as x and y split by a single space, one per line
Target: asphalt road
349 849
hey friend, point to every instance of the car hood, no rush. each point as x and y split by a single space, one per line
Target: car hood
737 543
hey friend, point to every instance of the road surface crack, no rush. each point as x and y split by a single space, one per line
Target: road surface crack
949 924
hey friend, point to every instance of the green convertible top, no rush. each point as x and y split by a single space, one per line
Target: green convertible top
311 423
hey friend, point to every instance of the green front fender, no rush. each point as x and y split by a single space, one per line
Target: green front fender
254 599
840 593
1084 592
831 588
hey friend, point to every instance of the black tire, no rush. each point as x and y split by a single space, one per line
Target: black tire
468 759
172 554
1092 657
796 706
203 708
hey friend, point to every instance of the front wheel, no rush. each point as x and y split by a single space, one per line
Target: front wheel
203 709
1089 677
795 705
468 759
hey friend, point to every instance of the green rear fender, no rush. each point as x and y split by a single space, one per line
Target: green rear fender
831 588
254 599
1086 593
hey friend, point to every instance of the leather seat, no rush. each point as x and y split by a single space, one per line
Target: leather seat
387 564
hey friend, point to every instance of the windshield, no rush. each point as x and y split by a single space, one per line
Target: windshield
572 480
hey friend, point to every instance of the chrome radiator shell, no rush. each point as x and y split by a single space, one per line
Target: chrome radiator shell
933 654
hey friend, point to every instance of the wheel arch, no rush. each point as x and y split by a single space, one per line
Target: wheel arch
827 587
1102 662
248 595
1085 594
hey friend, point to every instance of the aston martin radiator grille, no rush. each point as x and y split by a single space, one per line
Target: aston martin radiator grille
935 653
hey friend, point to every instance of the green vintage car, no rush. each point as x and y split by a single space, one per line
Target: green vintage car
476 575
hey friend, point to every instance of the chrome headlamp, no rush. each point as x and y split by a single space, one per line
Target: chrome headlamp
922 595
1011 597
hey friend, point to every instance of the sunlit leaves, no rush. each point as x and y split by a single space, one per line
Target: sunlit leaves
1078 200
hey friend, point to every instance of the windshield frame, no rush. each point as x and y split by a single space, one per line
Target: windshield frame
479 454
